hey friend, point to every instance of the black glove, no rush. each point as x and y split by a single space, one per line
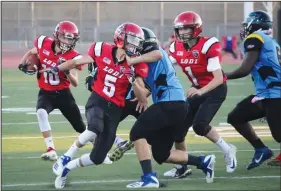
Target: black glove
60 61
23 68
89 82
53 70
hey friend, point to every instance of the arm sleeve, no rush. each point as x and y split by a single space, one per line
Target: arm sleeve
214 57
149 47
253 42
141 70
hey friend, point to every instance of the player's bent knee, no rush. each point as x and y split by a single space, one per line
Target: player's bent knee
42 116
136 134
97 159
201 129
160 156
86 136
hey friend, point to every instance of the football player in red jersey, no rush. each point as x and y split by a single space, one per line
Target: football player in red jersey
199 57
55 88
105 105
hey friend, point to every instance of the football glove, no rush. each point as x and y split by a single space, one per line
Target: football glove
130 73
23 68
62 60
89 80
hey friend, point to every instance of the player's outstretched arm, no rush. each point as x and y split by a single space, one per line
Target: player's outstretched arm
70 64
151 53
141 93
248 62
72 76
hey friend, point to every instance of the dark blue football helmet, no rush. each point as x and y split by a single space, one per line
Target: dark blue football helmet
257 20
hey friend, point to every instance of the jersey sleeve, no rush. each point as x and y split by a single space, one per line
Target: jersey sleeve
141 70
253 42
149 47
214 56
38 42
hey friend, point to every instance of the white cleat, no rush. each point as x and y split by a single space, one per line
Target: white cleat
60 182
60 164
171 173
148 181
107 160
50 155
230 159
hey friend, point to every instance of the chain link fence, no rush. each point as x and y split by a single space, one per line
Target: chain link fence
23 21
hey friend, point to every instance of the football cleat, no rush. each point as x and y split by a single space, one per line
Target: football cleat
275 161
260 156
230 159
147 181
120 150
179 172
61 179
60 164
50 154
208 167
107 160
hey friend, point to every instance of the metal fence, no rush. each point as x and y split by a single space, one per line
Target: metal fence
22 21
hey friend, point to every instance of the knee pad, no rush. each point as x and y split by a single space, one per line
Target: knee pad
160 156
86 136
97 159
201 129
43 121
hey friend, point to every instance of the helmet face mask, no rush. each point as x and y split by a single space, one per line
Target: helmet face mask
66 41
133 45
185 33
129 37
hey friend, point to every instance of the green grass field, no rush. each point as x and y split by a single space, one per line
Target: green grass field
22 146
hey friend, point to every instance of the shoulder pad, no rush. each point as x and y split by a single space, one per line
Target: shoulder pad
172 47
208 44
40 41
255 35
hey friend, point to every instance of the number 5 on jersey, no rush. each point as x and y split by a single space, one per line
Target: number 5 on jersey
109 87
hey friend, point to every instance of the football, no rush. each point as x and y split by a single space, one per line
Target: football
33 61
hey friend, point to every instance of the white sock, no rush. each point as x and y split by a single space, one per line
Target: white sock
118 140
224 147
178 166
72 150
49 142
85 159
73 164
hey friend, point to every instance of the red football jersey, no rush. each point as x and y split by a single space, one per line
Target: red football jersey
110 83
196 62
48 58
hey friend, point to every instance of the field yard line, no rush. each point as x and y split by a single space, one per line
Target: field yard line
54 122
131 180
130 154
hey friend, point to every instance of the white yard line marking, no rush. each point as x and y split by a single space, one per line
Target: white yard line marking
131 180
131 153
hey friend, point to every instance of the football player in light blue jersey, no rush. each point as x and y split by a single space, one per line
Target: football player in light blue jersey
262 60
163 122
